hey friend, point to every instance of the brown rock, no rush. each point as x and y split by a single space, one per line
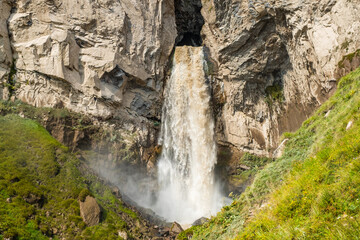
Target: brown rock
90 211
176 228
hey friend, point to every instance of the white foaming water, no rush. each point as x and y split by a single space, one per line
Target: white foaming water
186 165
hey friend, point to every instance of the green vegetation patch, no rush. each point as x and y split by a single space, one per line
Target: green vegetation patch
349 58
248 166
273 94
313 190
40 184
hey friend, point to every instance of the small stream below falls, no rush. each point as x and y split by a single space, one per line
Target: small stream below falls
187 186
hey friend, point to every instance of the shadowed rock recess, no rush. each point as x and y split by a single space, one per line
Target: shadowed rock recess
189 22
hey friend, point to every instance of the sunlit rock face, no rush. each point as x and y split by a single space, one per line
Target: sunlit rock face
276 63
99 58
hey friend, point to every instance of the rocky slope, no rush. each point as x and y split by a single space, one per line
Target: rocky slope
274 62
47 193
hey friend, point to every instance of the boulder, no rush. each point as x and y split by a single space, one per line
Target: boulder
90 211
176 228
200 221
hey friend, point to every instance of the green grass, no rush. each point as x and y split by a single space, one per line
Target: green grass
252 165
34 165
274 94
349 57
313 190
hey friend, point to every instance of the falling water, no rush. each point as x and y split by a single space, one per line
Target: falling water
186 166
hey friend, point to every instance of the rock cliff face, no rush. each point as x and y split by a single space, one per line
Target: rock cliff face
274 61
5 49
104 58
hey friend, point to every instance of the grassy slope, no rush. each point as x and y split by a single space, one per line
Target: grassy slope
32 163
313 190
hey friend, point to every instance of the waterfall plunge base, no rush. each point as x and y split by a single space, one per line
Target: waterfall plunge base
187 189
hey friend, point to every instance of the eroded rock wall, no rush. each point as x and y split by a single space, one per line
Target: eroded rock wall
105 58
5 49
276 62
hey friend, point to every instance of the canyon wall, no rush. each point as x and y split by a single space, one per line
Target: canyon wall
272 62
105 58
276 61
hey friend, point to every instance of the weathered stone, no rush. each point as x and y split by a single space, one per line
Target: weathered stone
261 46
106 59
6 57
176 228
90 211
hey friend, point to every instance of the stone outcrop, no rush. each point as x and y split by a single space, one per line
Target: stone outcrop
105 58
276 62
90 211
5 48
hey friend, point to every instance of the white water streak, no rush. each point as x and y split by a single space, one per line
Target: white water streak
186 166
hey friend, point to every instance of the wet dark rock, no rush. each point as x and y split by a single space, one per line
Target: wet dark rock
165 232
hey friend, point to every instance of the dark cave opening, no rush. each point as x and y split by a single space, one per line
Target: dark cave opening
190 39
189 22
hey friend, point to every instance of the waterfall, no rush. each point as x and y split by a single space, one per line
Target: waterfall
187 189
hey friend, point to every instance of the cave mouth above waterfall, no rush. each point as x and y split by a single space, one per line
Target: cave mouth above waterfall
190 39
189 22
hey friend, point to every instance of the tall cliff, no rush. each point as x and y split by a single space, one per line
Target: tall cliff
277 61
274 62
104 58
